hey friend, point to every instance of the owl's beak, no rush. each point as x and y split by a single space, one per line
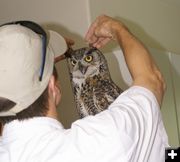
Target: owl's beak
82 68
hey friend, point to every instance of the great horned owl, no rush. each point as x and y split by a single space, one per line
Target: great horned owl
92 85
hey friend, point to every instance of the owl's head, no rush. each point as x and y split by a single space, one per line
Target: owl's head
87 62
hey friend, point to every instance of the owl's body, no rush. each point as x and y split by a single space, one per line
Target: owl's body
93 87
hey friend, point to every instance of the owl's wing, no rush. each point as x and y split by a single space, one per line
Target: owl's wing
112 92
105 95
81 107
85 103
100 100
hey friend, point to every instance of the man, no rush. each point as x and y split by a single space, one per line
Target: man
131 129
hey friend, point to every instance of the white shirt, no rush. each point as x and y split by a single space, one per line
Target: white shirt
130 130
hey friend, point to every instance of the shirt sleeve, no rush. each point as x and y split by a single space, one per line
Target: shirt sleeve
122 131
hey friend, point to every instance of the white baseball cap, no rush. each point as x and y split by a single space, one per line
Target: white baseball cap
26 63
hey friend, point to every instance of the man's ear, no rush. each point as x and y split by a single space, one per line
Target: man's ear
54 90
52 87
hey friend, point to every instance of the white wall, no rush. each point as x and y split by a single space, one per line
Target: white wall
169 106
175 71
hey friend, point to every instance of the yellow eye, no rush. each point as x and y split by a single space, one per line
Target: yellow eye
88 58
73 62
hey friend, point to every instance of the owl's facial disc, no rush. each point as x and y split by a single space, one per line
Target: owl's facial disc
85 63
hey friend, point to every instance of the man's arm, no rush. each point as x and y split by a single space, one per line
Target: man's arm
143 69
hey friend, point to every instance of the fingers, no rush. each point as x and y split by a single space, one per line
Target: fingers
101 42
100 32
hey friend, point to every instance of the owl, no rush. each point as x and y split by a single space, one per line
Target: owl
92 85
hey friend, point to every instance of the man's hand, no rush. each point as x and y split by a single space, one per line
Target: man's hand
102 30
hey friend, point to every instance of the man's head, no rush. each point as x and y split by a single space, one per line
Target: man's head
26 68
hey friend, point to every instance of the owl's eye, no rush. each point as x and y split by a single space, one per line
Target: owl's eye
88 58
73 62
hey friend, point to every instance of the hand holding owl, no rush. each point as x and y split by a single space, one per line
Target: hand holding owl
102 30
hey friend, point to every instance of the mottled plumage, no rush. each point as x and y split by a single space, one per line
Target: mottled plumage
92 85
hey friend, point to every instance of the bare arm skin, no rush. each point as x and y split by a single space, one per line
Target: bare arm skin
143 69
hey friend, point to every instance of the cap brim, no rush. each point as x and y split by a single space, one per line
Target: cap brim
58 44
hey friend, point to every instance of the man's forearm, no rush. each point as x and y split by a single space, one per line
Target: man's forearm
140 63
